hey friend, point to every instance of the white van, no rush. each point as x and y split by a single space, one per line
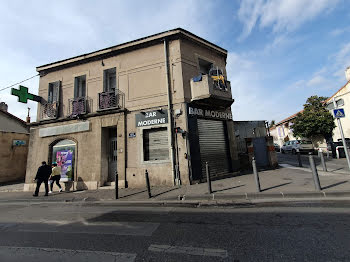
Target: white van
293 145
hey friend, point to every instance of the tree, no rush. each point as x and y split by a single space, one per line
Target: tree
272 123
314 120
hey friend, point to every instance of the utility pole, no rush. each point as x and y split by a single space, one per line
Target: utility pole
342 136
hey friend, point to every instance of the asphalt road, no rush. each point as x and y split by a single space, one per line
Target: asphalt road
334 165
317 231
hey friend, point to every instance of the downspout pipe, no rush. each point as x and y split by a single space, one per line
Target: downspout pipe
170 115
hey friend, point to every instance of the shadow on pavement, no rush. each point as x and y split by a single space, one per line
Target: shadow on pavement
335 184
133 194
161 193
214 191
265 189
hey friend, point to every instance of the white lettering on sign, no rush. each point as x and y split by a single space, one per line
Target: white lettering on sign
150 114
151 122
209 113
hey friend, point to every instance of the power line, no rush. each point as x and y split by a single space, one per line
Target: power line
18 83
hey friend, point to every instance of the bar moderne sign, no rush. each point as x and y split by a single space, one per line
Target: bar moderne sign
156 117
209 113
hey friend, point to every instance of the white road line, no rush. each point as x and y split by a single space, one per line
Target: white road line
196 251
31 254
74 227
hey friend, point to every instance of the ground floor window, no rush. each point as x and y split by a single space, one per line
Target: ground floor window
155 144
63 153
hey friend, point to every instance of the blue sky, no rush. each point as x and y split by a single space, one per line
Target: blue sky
280 51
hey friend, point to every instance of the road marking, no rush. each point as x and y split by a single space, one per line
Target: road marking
196 251
56 255
74 227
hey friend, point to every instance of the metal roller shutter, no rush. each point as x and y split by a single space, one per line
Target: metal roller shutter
213 147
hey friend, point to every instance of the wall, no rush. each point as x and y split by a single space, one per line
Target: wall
13 159
345 122
141 76
89 151
10 124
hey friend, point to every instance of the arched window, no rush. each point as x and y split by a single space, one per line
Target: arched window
63 153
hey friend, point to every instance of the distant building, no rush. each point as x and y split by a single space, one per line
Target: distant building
282 131
14 141
342 94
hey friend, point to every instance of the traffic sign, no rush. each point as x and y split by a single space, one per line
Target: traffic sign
338 113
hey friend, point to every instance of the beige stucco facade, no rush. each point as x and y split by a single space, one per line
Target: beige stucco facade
343 93
143 75
13 158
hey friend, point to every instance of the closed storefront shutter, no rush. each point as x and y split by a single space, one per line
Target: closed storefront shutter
213 147
156 144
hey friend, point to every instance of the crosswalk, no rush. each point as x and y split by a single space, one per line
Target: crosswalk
132 229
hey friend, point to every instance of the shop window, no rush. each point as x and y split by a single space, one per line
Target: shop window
155 144
80 86
63 153
109 80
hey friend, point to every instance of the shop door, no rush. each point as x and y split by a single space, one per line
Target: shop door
112 159
213 147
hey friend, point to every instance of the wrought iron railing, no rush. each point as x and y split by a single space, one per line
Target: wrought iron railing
79 106
110 100
49 111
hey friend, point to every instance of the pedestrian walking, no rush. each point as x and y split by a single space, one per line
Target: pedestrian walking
55 177
42 176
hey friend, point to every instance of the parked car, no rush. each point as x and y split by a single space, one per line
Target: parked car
277 147
293 145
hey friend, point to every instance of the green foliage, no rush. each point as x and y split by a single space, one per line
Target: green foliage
314 120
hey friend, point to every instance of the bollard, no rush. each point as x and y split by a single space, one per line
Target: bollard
208 177
116 185
314 172
256 175
147 184
299 158
323 162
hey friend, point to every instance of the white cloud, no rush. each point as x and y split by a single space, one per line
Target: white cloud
340 31
281 15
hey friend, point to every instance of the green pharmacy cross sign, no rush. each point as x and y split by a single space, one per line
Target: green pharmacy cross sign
23 95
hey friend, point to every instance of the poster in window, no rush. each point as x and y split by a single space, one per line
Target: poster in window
64 159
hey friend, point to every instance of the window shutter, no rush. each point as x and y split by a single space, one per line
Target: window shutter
56 91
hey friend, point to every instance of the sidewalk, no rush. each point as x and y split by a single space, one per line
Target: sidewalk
284 182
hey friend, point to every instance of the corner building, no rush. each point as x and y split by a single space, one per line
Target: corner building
148 104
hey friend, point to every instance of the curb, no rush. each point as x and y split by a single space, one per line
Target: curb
242 199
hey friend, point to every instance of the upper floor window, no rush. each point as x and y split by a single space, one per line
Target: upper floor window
204 66
80 86
109 80
53 94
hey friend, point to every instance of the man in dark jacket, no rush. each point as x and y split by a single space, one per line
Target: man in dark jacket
43 174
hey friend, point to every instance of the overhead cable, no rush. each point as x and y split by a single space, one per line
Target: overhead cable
18 83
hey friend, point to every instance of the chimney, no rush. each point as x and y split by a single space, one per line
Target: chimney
347 74
3 106
28 117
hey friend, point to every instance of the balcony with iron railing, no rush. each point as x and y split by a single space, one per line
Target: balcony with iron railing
49 111
79 106
110 100
208 90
